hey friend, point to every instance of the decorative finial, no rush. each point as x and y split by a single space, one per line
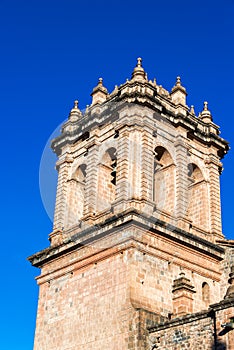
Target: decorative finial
99 93
75 113
192 111
205 108
139 62
115 91
205 115
138 72
178 93
178 81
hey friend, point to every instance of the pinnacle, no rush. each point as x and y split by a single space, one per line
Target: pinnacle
178 81
205 108
205 114
139 62
75 112
99 87
139 72
178 85
76 104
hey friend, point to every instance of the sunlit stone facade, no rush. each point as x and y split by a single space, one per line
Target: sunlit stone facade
137 258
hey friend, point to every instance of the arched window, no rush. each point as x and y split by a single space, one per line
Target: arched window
76 189
206 293
164 180
197 197
107 179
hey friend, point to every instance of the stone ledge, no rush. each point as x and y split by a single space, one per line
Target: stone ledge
130 217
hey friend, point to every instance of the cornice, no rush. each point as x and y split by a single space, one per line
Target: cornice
109 112
124 220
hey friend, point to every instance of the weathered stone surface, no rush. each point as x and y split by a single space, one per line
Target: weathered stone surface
137 238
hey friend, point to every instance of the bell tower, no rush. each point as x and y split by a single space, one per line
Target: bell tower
137 218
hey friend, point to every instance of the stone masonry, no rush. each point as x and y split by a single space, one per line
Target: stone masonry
137 258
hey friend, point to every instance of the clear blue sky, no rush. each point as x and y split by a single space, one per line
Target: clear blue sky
53 52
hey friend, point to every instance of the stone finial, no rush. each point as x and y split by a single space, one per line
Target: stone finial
99 93
205 115
75 112
178 93
205 106
115 91
138 72
192 111
178 82
178 85
230 290
139 62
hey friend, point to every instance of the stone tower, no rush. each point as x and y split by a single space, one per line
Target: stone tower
137 239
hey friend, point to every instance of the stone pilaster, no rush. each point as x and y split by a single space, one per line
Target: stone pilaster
122 173
181 182
135 162
61 196
90 196
214 166
147 166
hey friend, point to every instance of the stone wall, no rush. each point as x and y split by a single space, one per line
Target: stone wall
92 292
203 330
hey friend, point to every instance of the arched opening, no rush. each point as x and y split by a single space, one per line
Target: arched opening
80 173
194 173
76 190
206 293
197 197
164 180
107 179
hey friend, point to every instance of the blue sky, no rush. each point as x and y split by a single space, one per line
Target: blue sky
53 52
